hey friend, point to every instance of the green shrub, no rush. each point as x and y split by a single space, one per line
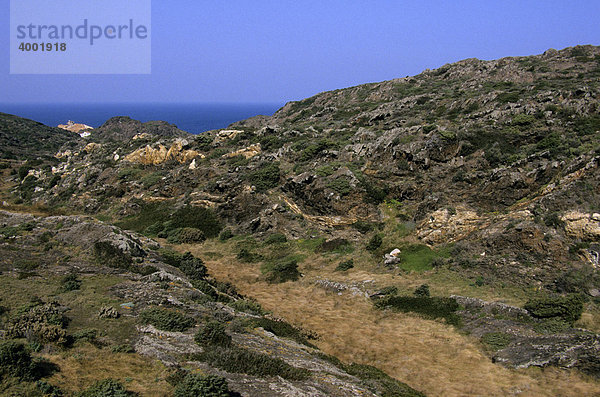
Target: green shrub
226 234
496 340
276 238
190 235
69 283
523 119
48 390
197 385
363 227
340 185
285 270
16 361
212 334
197 217
192 267
374 243
151 179
553 220
381 383
567 308
248 306
106 388
431 307
506 97
44 322
422 291
280 328
345 265
167 319
237 360
247 256
266 177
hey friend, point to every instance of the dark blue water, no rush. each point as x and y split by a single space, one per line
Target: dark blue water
194 118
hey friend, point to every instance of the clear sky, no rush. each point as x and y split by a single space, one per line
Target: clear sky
276 51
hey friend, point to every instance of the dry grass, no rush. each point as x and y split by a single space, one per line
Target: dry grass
82 366
427 355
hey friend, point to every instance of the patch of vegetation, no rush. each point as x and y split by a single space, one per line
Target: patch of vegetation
248 306
496 340
151 220
374 243
43 323
285 269
226 234
276 238
167 319
345 265
422 291
151 179
566 308
237 360
198 385
340 185
281 329
363 227
266 177
419 257
106 388
69 283
212 334
248 256
338 245
16 361
380 382
190 235
429 307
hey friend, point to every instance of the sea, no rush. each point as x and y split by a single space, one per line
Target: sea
191 117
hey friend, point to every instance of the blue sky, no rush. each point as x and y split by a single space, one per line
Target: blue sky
276 51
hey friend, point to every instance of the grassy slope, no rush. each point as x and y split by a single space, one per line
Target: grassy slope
428 355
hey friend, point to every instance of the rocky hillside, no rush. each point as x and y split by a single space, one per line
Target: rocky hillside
480 172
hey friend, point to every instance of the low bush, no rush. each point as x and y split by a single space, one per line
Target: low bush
69 283
381 383
566 308
40 322
422 291
190 235
192 267
248 306
276 238
430 307
374 243
345 265
16 361
237 360
266 177
198 385
282 271
106 388
281 329
247 256
212 334
225 235
167 319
